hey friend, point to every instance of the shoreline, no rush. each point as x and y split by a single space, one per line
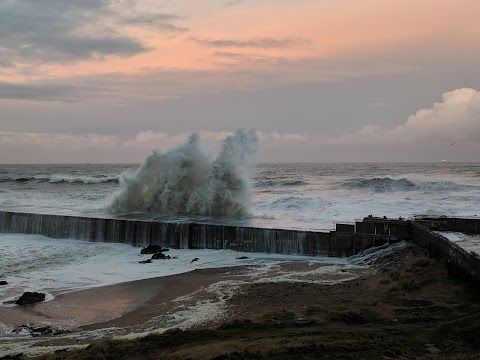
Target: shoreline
404 306
127 310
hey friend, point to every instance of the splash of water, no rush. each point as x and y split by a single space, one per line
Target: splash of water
188 181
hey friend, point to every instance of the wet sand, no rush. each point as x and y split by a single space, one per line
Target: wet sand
103 306
190 300
404 306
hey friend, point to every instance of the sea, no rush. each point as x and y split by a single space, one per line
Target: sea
192 182
300 196
296 196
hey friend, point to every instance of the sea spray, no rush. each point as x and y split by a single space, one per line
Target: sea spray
187 180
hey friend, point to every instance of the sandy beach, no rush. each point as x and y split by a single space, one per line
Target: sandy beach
405 305
185 301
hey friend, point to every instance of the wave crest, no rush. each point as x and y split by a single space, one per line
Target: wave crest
186 180
271 183
387 184
59 178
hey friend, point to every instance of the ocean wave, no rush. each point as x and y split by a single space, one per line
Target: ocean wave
291 203
188 181
387 184
59 178
269 183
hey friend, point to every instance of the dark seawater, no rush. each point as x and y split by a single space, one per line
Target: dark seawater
307 196
282 195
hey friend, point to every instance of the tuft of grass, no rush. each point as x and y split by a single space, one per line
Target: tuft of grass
283 315
393 288
384 281
395 275
354 317
408 283
421 262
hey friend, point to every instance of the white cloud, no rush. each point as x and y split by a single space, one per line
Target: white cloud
152 139
65 148
456 119
281 137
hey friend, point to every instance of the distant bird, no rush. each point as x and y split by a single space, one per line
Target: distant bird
452 144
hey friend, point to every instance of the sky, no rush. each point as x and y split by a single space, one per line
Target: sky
105 81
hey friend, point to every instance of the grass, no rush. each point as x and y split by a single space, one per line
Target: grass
392 315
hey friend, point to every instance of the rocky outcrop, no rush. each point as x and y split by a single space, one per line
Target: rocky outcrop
152 249
160 255
30 298
35 331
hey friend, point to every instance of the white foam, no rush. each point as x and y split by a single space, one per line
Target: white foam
466 241
38 263
59 178
188 180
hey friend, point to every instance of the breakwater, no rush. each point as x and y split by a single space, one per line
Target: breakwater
346 240
458 260
342 242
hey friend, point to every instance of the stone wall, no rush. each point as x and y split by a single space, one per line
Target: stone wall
464 225
401 229
456 258
190 235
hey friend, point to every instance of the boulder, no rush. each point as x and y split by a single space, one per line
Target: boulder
160 255
12 357
152 249
30 298
35 331
3 282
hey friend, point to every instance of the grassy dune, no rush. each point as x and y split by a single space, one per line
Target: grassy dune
411 308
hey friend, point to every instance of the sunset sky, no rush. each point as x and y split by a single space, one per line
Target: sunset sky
320 80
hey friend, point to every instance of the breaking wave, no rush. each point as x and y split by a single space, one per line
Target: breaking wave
387 184
188 181
55 179
268 183
60 178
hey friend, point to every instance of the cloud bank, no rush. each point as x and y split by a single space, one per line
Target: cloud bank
455 119
60 31
426 135
98 148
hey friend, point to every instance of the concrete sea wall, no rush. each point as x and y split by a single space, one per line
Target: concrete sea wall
192 235
464 225
346 240
458 259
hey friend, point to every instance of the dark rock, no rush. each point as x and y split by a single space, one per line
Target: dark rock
3 282
303 321
152 249
274 322
449 266
160 255
145 261
12 357
196 259
242 257
30 298
60 351
35 331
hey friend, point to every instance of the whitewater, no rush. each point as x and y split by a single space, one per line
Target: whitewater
190 182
